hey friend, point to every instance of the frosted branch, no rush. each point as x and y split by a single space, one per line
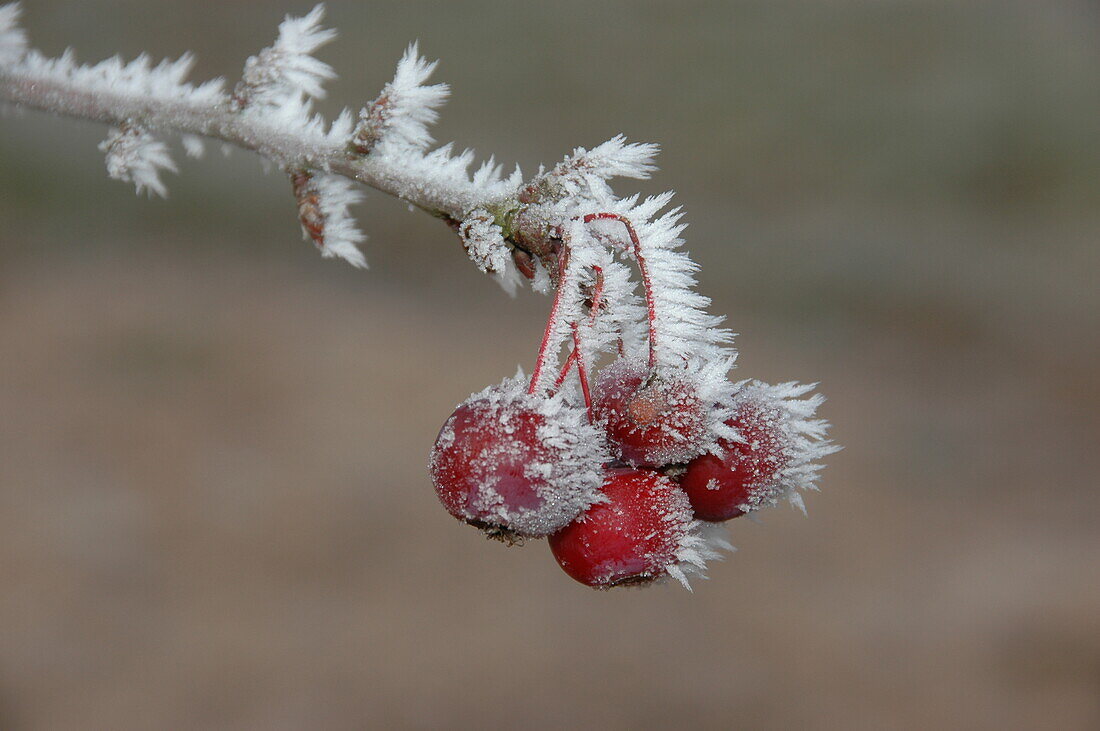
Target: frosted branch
159 99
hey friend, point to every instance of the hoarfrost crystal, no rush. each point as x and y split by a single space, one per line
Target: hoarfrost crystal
135 156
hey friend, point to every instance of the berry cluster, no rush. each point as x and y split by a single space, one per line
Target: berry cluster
626 474
623 473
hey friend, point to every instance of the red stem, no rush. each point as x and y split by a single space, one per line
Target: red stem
555 312
582 371
593 311
646 281
568 366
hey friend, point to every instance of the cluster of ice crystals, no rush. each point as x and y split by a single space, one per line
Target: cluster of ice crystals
287 69
193 146
139 78
585 173
577 188
803 438
323 201
135 156
402 113
503 433
165 82
701 543
484 241
13 40
687 339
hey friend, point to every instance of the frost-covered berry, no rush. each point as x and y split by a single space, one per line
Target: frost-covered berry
642 531
778 442
517 464
652 418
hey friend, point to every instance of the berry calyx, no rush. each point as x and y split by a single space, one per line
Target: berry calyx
652 418
640 532
744 474
516 464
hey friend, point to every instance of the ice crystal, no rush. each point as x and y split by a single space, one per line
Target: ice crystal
585 172
286 69
13 39
702 542
323 201
802 436
193 146
402 113
484 241
138 79
136 156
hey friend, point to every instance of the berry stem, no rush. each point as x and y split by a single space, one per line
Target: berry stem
593 312
552 320
651 305
597 295
582 370
568 366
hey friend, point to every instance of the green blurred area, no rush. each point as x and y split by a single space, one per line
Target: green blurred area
211 457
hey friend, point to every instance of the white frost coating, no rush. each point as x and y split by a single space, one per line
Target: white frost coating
138 80
622 317
135 156
564 461
685 327
13 39
483 241
804 439
689 341
341 234
400 116
687 335
286 69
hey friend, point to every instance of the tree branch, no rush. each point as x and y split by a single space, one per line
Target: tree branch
294 149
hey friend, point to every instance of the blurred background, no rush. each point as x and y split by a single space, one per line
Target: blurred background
214 505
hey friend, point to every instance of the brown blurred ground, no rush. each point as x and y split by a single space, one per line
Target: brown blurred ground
214 509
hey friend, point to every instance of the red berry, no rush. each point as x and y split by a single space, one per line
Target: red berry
516 464
652 418
640 533
745 473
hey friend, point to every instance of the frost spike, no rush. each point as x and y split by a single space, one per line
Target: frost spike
323 202
13 39
615 158
286 69
135 156
484 242
402 113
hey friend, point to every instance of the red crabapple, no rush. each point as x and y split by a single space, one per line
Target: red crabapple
642 531
744 474
517 464
652 418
